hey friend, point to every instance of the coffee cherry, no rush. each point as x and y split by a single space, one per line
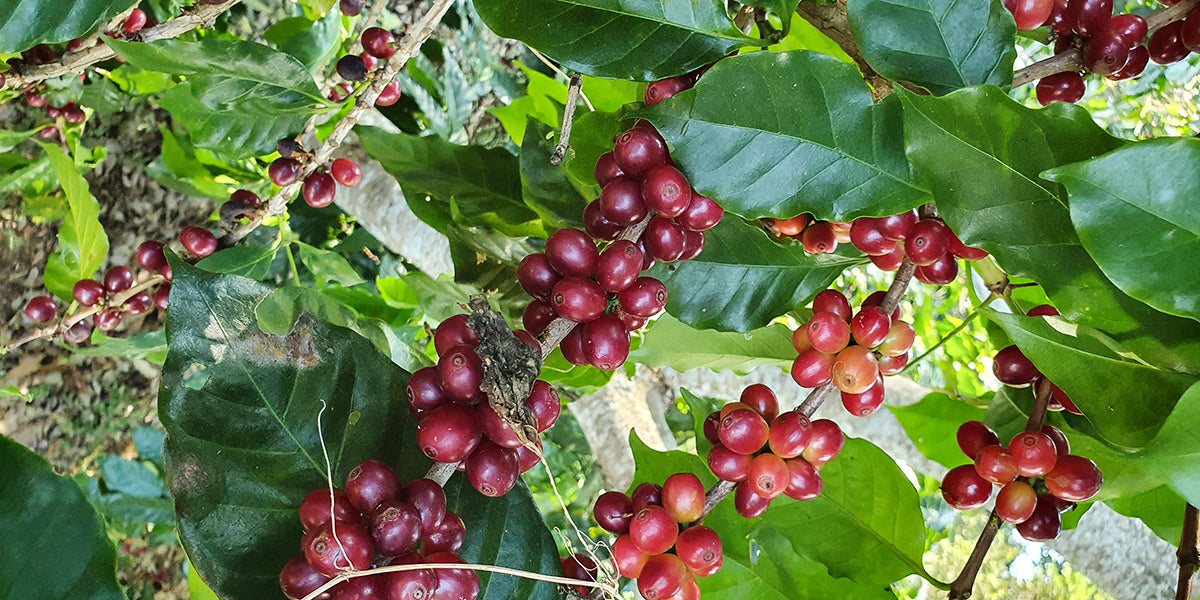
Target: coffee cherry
352 548
964 489
683 497
1012 368
452 332
449 433
711 422
1030 14
1060 398
1044 524
664 239
606 169
743 431
346 172
866 403
617 267
701 213
118 278
41 309
448 536
957 248
395 527
537 316
866 236
79 332
661 577
827 441
995 464
371 483
318 189
899 339
1016 501
543 402
572 347
832 301
812 368
1089 17
699 548
87 292
596 225
1033 453
926 241
425 389
1189 33
453 583
578 299
628 559
461 372
646 494
572 253
378 42
693 244
606 342
870 326
638 150
653 530
789 434
941 272
666 191
761 399
149 255
390 94
1166 44
108 319
644 298
409 585
351 7
727 464
1130 26
492 469
613 511
1074 478
819 238
804 482
579 566
352 67
298 579
748 504
1062 447
896 227
657 91
1106 52
284 171
135 21
315 509
428 498
768 475
854 369
1043 310
890 365
1067 86
974 436
200 242
537 276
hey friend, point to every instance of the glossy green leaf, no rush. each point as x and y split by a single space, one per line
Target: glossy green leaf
545 186
240 407
1126 401
655 465
593 135
776 134
1174 454
310 41
24 23
233 134
82 242
1161 509
231 75
671 343
482 185
130 477
656 39
507 532
248 261
980 139
933 423
1143 230
58 548
742 280
940 45
327 266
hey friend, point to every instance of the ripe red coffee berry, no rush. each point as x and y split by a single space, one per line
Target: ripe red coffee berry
974 436
748 504
701 214
828 332
492 469
378 42
1189 33
351 548
579 299
627 558
899 339
1139 57
543 402
964 489
941 272
743 431
425 389
653 530
318 189
572 347
832 301
869 326
572 253
683 497
537 276
395 526
452 332
371 483
108 319
346 172
284 171
866 236
41 309
621 202
79 332
866 403
428 498
644 298
135 21
664 239
1043 310
895 227
579 566
1011 367
410 585
149 255
926 241
1074 478
661 577
804 482
1016 501
453 583
118 278
618 266
646 494
661 89
596 225
1166 44
957 248
638 150
1033 453
827 441
606 169
1067 86
200 242
789 434
461 372
537 316
812 368
666 191
390 94
699 548
1044 524
1056 435
1106 52
298 579
162 297
768 475
727 464
87 292
316 508
351 7
449 433
1089 17
761 399
819 238
613 511
606 342
995 464
448 536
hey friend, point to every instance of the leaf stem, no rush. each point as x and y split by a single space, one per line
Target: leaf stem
1188 554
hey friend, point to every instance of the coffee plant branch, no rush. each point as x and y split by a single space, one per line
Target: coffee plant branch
67 321
1188 554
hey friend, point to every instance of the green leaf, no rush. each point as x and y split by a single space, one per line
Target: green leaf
1174 454
26 23
1116 199
1161 509
742 280
64 552
1101 382
933 423
328 267
776 134
509 532
700 407
671 343
592 135
233 134
82 242
130 477
309 41
482 185
231 75
240 407
248 261
958 152
655 466
151 345
656 39
544 186
940 45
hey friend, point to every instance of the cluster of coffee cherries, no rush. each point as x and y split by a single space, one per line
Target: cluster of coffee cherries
1037 475
378 44
320 186
818 236
604 289
1013 368
378 520
768 453
929 243
455 422
854 352
67 114
655 543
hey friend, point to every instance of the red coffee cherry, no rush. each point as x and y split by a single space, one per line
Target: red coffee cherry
1106 52
452 332
727 464
605 342
87 292
346 172
596 225
664 239
284 171
761 399
699 548
941 272
693 244
804 482
827 441
352 548
666 191
789 434
701 214
995 464
448 536
743 430
1067 86
768 475
390 94
395 527
869 326
866 236
578 299
1061 446
543 402
41 309
812 368
639 149
653 530
899 339
453 583
926 241
832 301
1074 478
646 494
461 373
149 255
428 498
492 469
579 566
661 577
1166 44
449 433
572 253
644 298
1012 368
371 483
537 316
618 266
828 332
819 238
409 585
1033 453
748 504
318 189
200 242
866 403
964 489
1089 17
621 202
974 436
378 42
1016 501
1139 57
572 347
606 169
316 508
613 511
683 497
854 369
659 90
1044 524
628 558
890 261
537 276
298 579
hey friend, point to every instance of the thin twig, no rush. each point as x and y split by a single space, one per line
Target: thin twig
75 62
58 328
1188 554
554 67
564 135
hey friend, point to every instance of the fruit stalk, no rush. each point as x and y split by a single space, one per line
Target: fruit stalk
1188 554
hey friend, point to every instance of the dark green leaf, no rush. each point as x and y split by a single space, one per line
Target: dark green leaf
671 343
134 512
130 477
151 345
742 280
776 134
231 133
933 423
57 548
940 45
546 187
507 532
592 135
656 39
1142 230
248 261
981 153
25 23
231 75
241 408
82 242
482 185
655 466
1098 379
308 41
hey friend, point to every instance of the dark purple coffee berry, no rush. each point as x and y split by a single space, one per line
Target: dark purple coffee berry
200 242
371 483
572 252
395 526
606 342
664 239
318 189
87 292
621 202
41 309
118 278
638 150
378 42
351 67
492 469
666 191
284 171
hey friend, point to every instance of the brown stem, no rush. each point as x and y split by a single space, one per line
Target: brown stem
87 55
116 300
564 135
1188 554
364 102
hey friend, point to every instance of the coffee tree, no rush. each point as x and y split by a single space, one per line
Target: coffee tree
735 170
